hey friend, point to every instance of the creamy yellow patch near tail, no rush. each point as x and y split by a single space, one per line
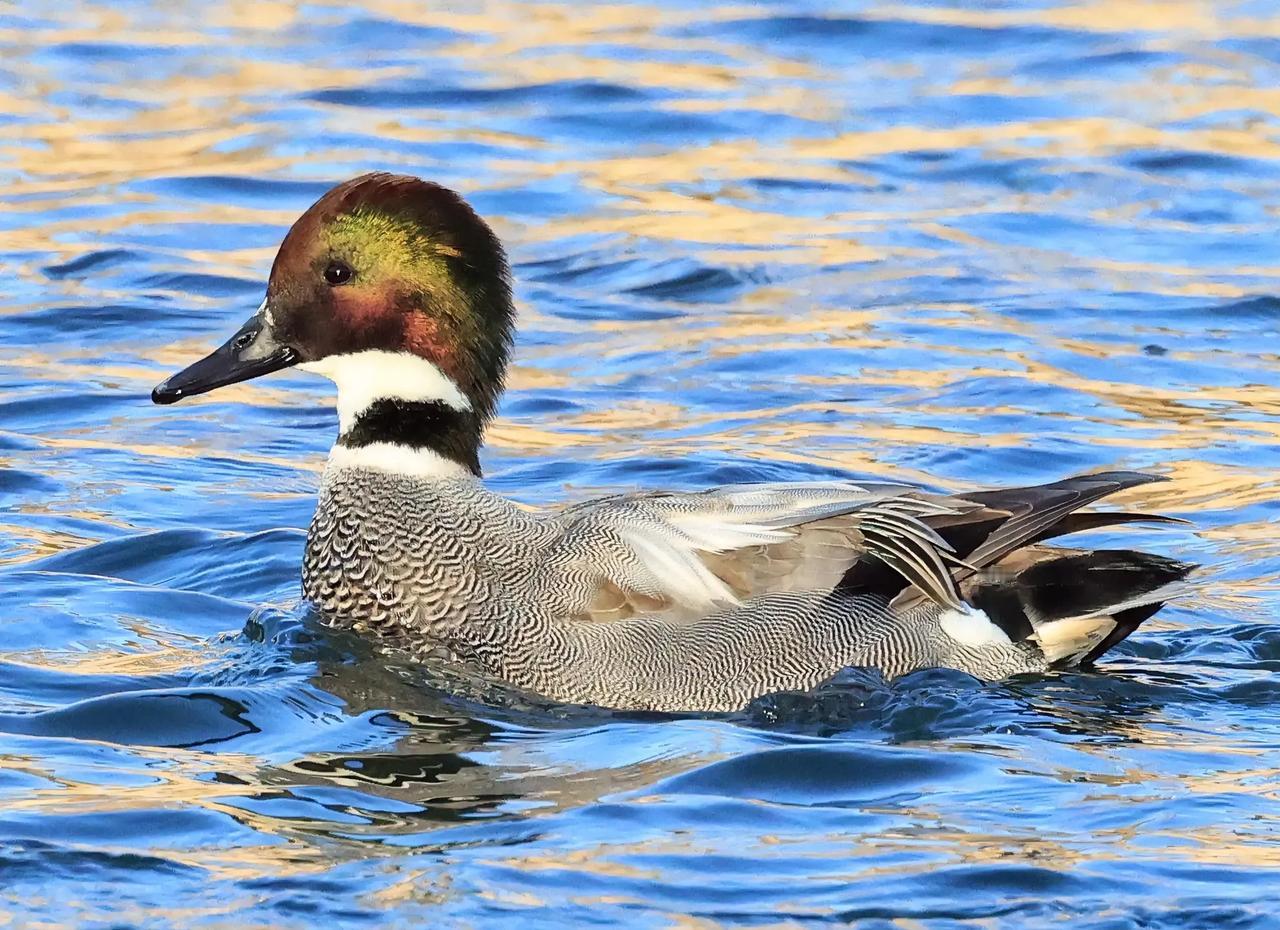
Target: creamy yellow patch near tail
1073 637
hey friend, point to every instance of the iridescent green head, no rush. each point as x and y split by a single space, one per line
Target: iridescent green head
382 267
392 263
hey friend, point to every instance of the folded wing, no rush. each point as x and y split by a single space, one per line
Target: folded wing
683 556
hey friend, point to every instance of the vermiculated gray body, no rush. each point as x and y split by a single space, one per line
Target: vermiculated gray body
446 564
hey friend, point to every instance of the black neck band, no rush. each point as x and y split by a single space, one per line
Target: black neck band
419 424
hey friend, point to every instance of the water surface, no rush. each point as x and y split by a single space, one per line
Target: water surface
957 245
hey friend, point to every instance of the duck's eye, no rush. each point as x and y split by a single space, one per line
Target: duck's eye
337 273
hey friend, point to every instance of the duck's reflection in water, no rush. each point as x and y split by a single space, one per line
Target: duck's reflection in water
456 748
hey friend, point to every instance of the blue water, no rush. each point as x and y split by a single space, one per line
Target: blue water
963 244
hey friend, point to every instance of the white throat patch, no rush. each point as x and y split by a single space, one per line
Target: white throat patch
372 375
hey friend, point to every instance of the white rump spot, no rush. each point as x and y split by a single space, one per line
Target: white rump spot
972 627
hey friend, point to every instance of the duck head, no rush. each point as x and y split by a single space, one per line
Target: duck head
396 290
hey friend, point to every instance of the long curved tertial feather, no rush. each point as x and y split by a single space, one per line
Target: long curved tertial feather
913 550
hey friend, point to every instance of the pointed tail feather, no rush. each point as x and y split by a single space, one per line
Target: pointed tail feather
1040 509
